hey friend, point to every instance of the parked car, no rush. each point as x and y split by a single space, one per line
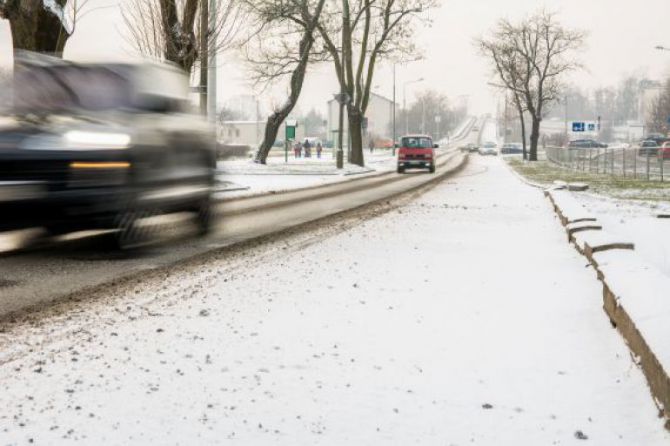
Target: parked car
586 144
470 147
384 143
648 148
488 148
664 151
416 151
93 146
511 148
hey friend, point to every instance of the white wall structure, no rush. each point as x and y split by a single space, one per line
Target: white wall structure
250 132
379 114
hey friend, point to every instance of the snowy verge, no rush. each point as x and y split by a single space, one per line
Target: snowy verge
634 293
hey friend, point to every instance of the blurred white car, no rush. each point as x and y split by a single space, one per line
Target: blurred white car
488 148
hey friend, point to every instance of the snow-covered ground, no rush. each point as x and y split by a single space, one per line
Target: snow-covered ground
462 317
244 177
635 222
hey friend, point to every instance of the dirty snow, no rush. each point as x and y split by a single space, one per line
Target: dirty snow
462 317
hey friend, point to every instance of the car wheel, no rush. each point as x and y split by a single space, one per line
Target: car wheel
129 234
204 216
431 169
401 169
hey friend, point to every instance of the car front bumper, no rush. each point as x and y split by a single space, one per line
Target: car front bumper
415 163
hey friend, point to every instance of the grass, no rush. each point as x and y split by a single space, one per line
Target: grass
545 172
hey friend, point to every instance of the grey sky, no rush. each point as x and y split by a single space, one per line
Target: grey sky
621 41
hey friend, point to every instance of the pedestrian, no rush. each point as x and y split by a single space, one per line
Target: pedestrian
308 148
319 148
372 145
296 149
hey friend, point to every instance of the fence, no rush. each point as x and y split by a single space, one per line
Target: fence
633 163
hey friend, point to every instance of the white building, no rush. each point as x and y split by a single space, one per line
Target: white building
249 133
379 114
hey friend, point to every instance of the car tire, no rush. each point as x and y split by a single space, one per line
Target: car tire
128 234
401 169
431 169
204 216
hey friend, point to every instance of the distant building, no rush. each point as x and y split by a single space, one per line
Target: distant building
379 114
249 133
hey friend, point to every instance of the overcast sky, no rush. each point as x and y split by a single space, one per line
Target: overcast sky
622 36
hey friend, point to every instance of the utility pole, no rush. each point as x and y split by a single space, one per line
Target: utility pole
423 116
394 107
211 53
567 135
204 51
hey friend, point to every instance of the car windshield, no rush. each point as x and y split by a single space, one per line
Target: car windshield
417 142
66 88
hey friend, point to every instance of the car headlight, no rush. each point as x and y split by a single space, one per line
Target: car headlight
77 140
97 140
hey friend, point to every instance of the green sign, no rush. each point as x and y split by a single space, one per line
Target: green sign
290 132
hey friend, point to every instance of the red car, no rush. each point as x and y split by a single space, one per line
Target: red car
664 151
416 151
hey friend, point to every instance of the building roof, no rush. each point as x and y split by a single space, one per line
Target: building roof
242 122
383 98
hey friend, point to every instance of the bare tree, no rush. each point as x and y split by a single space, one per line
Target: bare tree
170 29
284 46
41 25
510 69
429 104
541 50
658 118
369 31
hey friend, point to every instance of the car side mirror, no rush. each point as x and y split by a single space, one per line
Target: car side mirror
436 146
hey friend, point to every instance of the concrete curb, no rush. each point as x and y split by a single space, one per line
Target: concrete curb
641 335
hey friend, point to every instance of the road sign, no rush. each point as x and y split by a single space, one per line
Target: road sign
578 126
290 128
592 127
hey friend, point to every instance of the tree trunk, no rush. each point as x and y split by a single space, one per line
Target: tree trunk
523 135
34 28
534 138
356 136
278 116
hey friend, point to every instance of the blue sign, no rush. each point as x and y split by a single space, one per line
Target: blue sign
592 127
578 127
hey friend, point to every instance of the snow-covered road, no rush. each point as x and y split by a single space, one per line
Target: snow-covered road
462 317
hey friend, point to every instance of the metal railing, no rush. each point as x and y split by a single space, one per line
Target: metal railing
639 163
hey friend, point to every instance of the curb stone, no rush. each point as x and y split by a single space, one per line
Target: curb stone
641 337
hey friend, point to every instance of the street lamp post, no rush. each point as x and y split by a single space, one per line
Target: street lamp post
394 107
404 101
